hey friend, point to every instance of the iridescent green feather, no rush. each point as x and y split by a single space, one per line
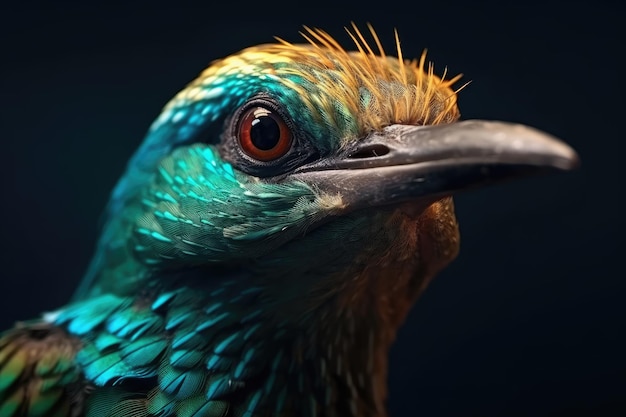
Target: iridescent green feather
247 218
38 374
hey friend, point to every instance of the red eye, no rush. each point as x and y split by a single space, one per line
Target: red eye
263 134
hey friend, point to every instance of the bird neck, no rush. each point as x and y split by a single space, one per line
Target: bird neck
295 334
345 346
345 358
337 355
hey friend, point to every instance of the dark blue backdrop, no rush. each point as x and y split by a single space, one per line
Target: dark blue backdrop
529 321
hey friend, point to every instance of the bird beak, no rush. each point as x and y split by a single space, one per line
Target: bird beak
405 163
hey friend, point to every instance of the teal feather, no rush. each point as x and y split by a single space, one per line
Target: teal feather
181 383
132 323
180 318
186 358
199 407
105 342
102 368
128 342
219 386
144 351
230 227
116 402
160 403
81 318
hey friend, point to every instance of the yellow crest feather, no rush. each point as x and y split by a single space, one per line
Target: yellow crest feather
369 88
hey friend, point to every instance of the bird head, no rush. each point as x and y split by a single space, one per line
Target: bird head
317 178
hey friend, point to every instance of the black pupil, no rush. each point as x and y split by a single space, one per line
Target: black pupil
264 132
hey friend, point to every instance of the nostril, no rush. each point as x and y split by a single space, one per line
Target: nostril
370 151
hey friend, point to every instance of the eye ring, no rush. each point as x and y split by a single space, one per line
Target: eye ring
263 134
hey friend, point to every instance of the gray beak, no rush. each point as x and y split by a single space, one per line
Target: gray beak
404 163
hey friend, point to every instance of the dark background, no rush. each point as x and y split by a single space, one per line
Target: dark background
528 321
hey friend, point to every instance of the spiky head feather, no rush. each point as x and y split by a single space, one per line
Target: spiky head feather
350 93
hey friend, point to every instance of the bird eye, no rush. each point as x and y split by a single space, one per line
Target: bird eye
263 134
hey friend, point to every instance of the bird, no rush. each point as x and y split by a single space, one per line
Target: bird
267 239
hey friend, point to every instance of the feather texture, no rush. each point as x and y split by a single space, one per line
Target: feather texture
38 375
